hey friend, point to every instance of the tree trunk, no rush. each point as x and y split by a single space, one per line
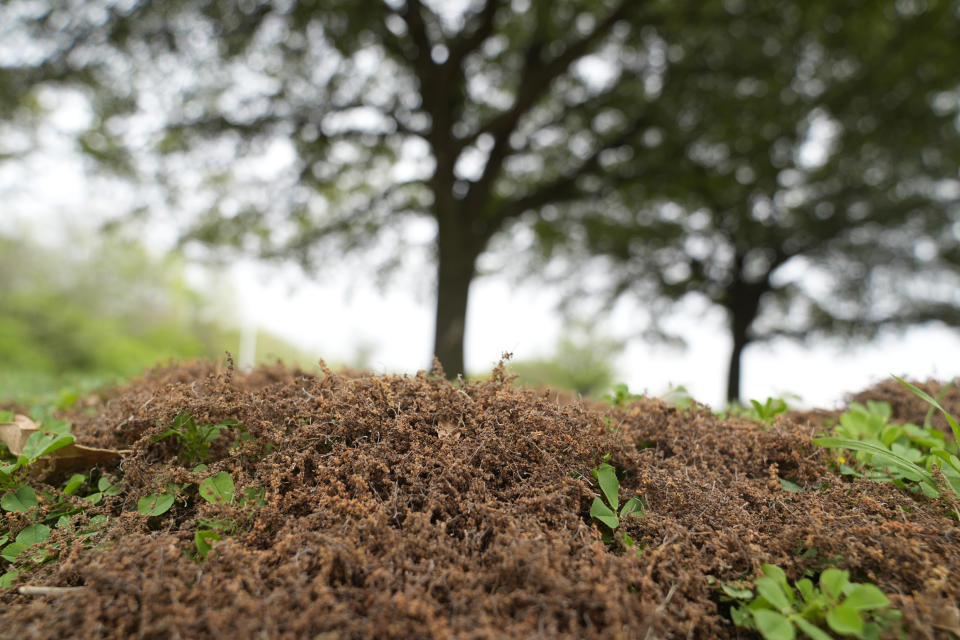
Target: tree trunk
456 264
738 330
742 301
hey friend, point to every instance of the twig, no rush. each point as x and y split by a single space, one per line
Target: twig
47 591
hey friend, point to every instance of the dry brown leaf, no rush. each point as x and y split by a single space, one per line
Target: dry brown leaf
69 458
447 430
14 434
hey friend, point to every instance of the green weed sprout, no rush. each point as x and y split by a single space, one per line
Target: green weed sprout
202 541
621 396
155 504
218 489
847 608
765 412
195 439
769 410
606 476
895 452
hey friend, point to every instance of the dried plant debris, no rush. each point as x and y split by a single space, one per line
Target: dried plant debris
278 504
22 436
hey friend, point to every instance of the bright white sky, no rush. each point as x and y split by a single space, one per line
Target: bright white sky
49 194
504 317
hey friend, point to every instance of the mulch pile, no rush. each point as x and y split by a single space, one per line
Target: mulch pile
411 507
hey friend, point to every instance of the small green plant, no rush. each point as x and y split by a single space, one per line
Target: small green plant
155 504
607 513
621 396
896 453
218 489
846 608
770 409
765 412
195 440
202 539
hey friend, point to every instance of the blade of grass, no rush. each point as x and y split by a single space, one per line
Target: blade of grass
884 455
925 396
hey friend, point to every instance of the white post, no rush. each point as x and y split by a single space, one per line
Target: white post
248 344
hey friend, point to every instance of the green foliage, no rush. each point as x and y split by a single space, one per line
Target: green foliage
49 506
217 489
582 363
934 404
607 513
102 311
765 412
202 539
195 439
734 201
769 410
21 500
104 488
51 436
846 608
155 504
896 453
72 321
620 396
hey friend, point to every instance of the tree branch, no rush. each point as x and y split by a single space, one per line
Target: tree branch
535 81
479 29
538 76
563 188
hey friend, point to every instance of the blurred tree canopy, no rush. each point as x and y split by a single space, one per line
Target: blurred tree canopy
668 136
809 182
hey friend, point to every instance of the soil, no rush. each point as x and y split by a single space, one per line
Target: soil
411 507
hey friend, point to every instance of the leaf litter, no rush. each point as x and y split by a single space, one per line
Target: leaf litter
411 507
68 458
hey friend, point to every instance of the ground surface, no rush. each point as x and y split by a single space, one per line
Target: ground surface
408 507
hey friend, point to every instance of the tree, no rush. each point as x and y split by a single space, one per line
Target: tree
502 109
803 180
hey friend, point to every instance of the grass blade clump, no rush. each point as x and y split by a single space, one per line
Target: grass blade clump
934 404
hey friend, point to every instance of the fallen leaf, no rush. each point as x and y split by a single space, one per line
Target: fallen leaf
447 430
14 434
69 458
